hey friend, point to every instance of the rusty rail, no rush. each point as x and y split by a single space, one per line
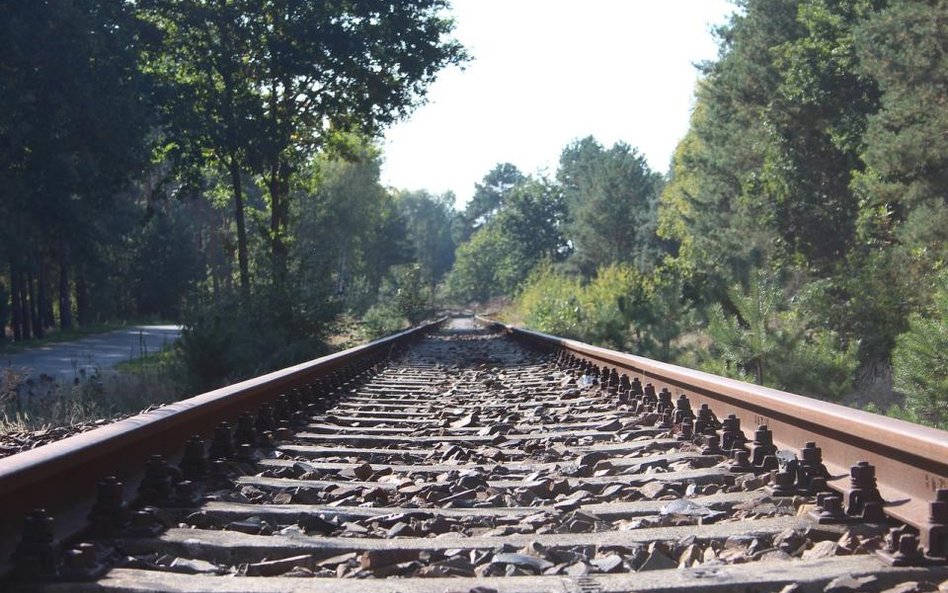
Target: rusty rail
36 478
911 461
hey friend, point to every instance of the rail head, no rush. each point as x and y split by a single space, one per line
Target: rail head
911 461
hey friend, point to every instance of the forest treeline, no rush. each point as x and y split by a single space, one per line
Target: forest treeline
211 162
798 239
216 163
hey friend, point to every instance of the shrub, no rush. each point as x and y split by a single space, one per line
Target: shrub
920 361
770 342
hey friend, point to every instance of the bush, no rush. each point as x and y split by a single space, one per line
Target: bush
551 302
620 308
382 319
920 361
227 338
770 342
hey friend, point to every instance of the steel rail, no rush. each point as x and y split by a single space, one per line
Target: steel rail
60 474
911 461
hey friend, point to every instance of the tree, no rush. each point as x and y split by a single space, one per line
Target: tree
920 361
283 77
526 229
73 133
428 220
489 195
776 344
612 198
211 113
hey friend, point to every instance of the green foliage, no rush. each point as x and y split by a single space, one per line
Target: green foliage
382 320
612 198
226 339
403 301
551 302
620 308
920 361
428 221
348 231
165 263
526 229
489 195
410 292
772 343
490 264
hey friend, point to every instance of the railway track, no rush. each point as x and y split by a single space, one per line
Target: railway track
483 459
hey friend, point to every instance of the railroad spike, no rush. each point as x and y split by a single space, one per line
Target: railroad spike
902 548
156 486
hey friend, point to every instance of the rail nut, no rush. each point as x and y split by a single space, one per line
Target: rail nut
82 564
683 409
157 485
741 462
712 445
144 524
38 553
829 510
811 467
186 495
108 515
934 536
782 484
246 431
863 492
193 464
901 549
222 446
687 430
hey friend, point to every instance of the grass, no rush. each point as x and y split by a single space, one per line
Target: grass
155 363
30 405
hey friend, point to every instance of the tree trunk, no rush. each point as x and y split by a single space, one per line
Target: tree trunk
82 297
279 188
65 302
241 228
26 319
34 310
47 317
16 321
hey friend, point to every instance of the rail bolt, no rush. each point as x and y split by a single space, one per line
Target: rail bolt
37 555
901 549
712 445
863 490
108 514
935 535
687 430
193 464
829 510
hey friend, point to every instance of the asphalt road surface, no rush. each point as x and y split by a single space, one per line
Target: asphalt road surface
98 351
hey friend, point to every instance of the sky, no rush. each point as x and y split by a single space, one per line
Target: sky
547 72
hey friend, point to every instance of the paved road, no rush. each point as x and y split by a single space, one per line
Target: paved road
98 351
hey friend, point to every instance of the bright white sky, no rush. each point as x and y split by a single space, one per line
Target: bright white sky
547 72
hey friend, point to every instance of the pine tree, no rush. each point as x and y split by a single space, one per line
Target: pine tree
920 362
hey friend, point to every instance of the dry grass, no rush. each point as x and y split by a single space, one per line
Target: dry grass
36 404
